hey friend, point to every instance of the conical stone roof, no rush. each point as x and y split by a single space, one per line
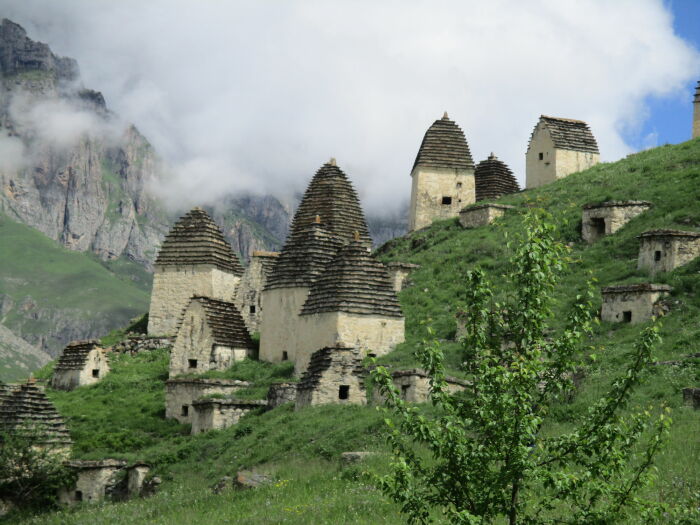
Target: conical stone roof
304 256
493 179
444 146
225 322
331 196
74 356
354 282
196 239
27 410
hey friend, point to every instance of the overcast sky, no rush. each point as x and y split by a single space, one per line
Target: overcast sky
256 95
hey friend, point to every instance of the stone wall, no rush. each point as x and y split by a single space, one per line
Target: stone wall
195 345
664 250
696 113
606 218
280 394
691 397
414 385
334 376
134 344
181 393
249 293
568 161
94 477
173 286
429 189
399 273
481 215
634 303
215 414
279 328
96 366
368 333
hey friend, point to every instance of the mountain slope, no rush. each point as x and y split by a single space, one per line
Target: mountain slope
50 295
301 447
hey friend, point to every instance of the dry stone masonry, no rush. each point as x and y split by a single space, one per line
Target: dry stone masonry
557 148
442 175
664 250
211 336
353 304
219 413
482 214
180 393
633 303
280 394
194 259
135 344
414 384
691 397
27 411
100 480
399 273
249 292
493 179
334 376
696 112
605 218
81 363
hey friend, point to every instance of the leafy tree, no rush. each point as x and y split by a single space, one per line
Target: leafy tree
31 475
489 454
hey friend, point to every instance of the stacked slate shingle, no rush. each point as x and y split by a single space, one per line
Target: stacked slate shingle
493 179
354 282
225 322
697 93
75 355
196 239
26 410
569 134
444 146
322 360
327 218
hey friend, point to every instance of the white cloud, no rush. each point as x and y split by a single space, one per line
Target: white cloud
256 95
12 153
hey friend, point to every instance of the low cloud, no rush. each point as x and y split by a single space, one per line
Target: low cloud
255 96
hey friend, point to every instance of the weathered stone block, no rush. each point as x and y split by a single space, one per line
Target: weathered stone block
249 292
81 363
334 375
95 478
399 273
691 397
632 303
280 394
482 214
665 250
606 218
180 393
216 413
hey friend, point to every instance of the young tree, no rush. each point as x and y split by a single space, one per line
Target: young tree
488 454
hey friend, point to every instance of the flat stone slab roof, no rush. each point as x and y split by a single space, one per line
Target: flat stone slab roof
419 372
472 207
643 287
402 265
242 403
207 381
84 464
615 204
668 233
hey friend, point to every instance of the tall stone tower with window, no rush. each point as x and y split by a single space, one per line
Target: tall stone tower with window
443 175
696 112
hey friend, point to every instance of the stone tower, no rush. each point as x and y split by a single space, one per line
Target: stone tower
696 112
559 147
327 217
194 259
442 175
493 178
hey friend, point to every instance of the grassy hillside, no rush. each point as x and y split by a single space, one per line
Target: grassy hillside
49 293
122 416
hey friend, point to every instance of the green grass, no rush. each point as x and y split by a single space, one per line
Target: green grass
303 446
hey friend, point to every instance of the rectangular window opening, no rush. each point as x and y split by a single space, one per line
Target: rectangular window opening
446 201
598 224
285 356
459 185
252 308
657 255
95 372
344 392
192 363
78 495
627 316
541 156
404 391
185 410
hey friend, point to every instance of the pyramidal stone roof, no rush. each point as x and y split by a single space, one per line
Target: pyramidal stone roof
354 282
444 146
225 322
196 239
331 196
304 256
74 356
568 134
348 359
493 178
27 409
